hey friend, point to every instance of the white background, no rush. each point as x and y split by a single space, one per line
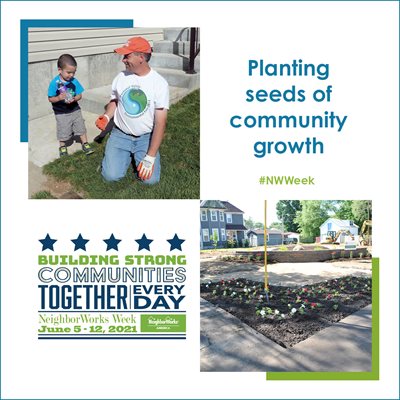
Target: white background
360 42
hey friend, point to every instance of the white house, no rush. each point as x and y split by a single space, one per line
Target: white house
332 226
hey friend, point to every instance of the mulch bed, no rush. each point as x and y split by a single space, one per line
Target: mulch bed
292 314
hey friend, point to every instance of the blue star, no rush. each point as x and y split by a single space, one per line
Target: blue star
47 243
175 243
79 242
144 243
112 243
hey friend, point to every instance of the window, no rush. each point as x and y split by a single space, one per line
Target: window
221 216
206 235
229 218
223 236
214 216
329 226
204 215
351 223
215 234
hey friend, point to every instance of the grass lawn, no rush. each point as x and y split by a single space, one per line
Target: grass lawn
180 163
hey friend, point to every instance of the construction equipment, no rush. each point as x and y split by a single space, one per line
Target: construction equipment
365 238
333 236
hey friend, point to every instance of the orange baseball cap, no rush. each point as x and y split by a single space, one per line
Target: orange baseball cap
135 44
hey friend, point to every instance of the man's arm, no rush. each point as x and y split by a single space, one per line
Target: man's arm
104 119
110 108
160 122
146 166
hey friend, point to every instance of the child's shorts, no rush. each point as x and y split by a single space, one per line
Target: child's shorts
70 124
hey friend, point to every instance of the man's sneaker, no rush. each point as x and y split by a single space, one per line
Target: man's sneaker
63 151
87 148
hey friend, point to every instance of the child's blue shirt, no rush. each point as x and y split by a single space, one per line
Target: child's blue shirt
73 86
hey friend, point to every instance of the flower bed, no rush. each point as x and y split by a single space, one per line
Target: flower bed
292 314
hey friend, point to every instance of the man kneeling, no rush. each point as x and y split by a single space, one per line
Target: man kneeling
139 104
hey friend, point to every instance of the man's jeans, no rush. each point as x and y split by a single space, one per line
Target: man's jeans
117 158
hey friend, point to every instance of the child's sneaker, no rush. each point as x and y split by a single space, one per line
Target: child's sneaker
63 151
87 148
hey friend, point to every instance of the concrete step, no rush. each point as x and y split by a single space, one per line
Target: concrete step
171 47
164 60
94 100
177 93
173 61
177 34
180 78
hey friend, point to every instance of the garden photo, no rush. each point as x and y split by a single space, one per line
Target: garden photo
114 113
290 294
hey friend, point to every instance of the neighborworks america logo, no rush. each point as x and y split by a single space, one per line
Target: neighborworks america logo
139 295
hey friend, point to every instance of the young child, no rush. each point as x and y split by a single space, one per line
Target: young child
64 93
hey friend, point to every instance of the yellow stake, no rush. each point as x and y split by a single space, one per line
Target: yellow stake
265 247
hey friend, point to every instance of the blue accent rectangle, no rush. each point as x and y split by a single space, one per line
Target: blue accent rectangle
52 23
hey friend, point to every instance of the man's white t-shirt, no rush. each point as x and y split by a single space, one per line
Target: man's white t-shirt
138 97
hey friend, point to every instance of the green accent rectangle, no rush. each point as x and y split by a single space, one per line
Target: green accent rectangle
162 323
373 375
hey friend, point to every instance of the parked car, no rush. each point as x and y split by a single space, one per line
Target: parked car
290 241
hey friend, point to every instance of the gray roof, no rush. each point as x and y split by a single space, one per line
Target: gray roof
230 207
212 204
261 231
235 227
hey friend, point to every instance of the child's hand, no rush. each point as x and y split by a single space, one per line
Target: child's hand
62 96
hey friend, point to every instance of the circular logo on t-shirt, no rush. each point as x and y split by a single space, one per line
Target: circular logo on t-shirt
134 101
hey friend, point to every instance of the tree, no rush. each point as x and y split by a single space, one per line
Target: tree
362 210
286 211
345 210
312 215
251 224
276 225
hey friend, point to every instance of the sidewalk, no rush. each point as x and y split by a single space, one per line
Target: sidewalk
229 345
43 147
284 274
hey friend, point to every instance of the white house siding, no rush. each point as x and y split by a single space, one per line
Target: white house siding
93 50
46 44
337 225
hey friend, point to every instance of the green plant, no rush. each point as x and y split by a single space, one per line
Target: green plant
42 195
214 240
283 248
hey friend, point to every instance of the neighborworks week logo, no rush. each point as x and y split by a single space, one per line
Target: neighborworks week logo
140 295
